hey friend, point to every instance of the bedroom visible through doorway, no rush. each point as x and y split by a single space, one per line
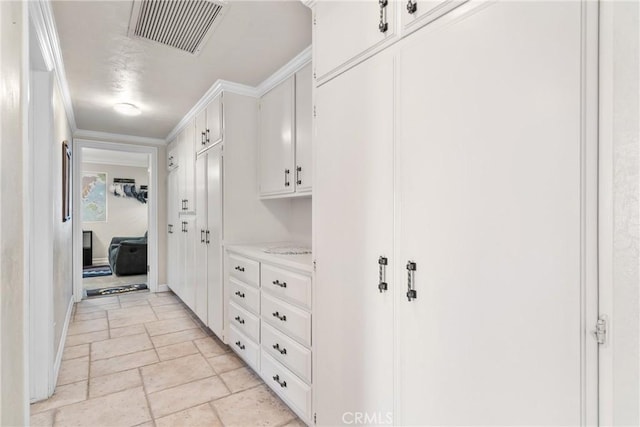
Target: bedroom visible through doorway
114 213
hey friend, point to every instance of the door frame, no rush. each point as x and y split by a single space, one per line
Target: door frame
152 211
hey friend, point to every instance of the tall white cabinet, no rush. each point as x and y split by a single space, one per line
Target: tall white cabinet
464 289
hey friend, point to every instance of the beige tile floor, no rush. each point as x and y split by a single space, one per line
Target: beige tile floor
144 360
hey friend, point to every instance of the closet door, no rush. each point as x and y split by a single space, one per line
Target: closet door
353 206
187 252
303 130
201 247
213 237
173 230
489 182
213 131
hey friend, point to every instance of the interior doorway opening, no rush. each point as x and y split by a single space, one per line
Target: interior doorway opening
115 202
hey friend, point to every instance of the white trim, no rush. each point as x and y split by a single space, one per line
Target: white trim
116 137
44 23
286 71
63 340
153 232
289 69
163 288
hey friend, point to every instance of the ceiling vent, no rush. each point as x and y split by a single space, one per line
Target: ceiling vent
182 24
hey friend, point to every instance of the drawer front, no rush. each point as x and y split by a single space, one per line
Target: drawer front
248 350
291 320
244 321
290 286
245 269
245 296
287 385
294 356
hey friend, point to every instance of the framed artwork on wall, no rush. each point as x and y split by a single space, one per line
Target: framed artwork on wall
66 181
93 204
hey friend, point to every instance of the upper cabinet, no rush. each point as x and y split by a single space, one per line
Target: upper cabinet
209 129
285 138
276 139
347 33
186 170
303 130
356 29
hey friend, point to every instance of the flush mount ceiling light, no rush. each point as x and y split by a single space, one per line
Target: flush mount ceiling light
127 109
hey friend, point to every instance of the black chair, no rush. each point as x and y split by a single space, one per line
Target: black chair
128 255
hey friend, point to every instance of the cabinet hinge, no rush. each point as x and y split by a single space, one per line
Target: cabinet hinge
315 114
600 333
315 419
314 265
315 20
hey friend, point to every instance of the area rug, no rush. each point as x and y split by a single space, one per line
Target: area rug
96 271
114 290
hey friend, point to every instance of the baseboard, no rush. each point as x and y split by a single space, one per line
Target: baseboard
163 288
63 340
100 261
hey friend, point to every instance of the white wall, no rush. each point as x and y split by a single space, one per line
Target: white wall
626 214
300 223
126 216
13 138
62 231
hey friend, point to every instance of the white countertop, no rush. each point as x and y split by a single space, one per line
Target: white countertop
257 252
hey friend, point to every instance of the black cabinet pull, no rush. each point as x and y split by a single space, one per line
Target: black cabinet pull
279 283
207 138
201 236
298 170
286 177
240 294
412 7
240 269
282 317
382 274
170 227
240 320
239 345
383 26
202 140
276 378
411 291
281 350
207 241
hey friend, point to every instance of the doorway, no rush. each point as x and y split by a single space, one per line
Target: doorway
115 201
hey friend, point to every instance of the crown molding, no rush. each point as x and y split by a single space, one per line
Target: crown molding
286 71
115 162
308 3
47 35
289 69
116 137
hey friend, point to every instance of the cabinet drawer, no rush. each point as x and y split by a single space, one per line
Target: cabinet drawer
286 351
292 390
244 269
248 350
287 318
245 296
293 287
246 322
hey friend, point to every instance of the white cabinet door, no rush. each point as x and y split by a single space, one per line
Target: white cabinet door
201 247
214 129
276 140
173 230
187 252
213 237
416 13
303 130
187 167
347 30
353 206
489 182
201 130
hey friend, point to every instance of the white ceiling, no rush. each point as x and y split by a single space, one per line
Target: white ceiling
118 158
104 66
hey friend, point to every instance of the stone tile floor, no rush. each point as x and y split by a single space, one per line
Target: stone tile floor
144 360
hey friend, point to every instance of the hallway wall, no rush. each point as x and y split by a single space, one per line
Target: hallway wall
62 231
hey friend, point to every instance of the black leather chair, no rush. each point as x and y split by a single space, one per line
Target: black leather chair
128 255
